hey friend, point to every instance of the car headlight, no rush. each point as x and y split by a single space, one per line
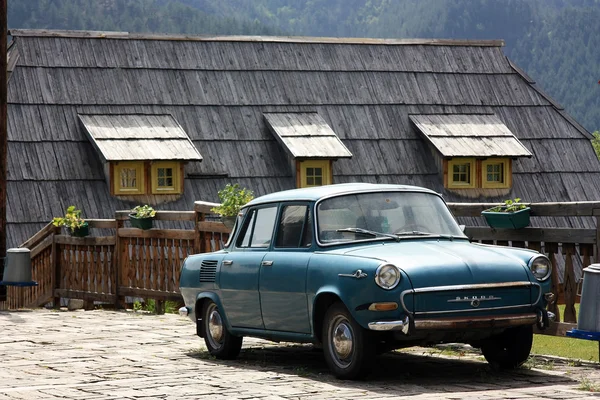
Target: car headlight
387 276
540 267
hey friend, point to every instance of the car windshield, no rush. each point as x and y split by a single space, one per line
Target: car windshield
391 215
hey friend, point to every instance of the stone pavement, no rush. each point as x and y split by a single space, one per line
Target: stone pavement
124 355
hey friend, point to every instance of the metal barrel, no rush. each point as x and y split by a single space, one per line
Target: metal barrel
589 308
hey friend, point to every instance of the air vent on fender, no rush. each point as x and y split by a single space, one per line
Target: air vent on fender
208 270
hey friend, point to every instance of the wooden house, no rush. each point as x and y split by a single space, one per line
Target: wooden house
110 120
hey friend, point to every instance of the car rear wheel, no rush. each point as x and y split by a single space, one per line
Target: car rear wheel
219 341
348 351
510 349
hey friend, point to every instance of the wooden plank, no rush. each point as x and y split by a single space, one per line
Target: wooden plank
150 294
157 233
560 235
569 284
81 294
123 215
562 209
43 245
39 236
101 223
555 329
86 241
212 226
204 207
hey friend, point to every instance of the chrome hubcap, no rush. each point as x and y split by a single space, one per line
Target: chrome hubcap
342 341
215 325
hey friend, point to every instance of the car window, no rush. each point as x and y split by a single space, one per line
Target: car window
263 227
294 227
246 231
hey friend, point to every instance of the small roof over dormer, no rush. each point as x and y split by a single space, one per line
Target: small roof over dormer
137 137
469 135
306 135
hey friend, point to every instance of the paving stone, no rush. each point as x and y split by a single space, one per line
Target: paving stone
99 355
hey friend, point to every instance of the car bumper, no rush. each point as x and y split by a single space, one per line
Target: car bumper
497 321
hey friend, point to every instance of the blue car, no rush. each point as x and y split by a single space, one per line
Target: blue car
361 269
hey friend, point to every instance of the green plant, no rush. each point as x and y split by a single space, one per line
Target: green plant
144 211
509 206
589 386
232 199
72 219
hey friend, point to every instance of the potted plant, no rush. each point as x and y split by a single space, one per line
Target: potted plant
141 216
232 198
512 214
76 226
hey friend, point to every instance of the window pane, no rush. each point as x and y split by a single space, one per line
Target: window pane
291 226
128 178
244 239
170 182
310 172
318 181
318 172
263 229
308 230
169 172
161 181
161 172
310 181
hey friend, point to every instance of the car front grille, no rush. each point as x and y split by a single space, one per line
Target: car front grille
475 298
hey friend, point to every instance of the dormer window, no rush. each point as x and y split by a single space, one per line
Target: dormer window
311 143
476 149
145 154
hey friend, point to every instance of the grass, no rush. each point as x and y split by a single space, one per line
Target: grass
577 349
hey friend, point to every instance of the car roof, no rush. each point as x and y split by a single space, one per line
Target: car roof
319 192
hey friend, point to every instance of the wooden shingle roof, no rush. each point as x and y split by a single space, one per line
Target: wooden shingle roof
219 88
469 135
134 137
306 135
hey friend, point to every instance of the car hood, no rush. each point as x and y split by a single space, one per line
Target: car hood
443 262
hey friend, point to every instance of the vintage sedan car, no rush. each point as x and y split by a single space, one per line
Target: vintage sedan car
360 269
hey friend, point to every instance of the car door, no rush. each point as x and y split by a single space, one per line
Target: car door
283 272
240 268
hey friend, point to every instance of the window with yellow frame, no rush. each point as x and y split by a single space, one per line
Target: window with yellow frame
166 177
461 173
495 173
315 173
129 177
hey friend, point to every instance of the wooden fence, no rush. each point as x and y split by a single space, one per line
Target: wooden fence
147 263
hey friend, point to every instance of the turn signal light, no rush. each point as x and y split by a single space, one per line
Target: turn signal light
383 306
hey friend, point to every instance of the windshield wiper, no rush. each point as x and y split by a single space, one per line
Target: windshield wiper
367 232
420 233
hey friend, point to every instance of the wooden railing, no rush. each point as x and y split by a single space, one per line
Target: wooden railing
146 263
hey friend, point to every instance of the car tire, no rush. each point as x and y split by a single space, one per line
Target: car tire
347 347
219 341
510 349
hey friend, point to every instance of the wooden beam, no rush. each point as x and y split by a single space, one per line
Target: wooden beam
43 245
3 127
101 223
81 294
556 329
563 209
204 207
209 226
559 235
39 236
123 215
86 241
151 294
157 233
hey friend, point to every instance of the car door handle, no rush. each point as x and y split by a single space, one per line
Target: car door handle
266 263
227 262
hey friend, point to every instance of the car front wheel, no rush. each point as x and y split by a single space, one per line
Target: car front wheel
219 341
510 349
346 345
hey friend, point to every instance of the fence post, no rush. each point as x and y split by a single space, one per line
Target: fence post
56 277
200 235
119 300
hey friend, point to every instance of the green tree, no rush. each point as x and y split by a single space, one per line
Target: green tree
596 143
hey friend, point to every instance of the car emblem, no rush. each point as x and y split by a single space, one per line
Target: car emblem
475 301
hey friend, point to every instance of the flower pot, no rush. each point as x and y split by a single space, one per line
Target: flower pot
141 223
228 221
507 220
82 231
